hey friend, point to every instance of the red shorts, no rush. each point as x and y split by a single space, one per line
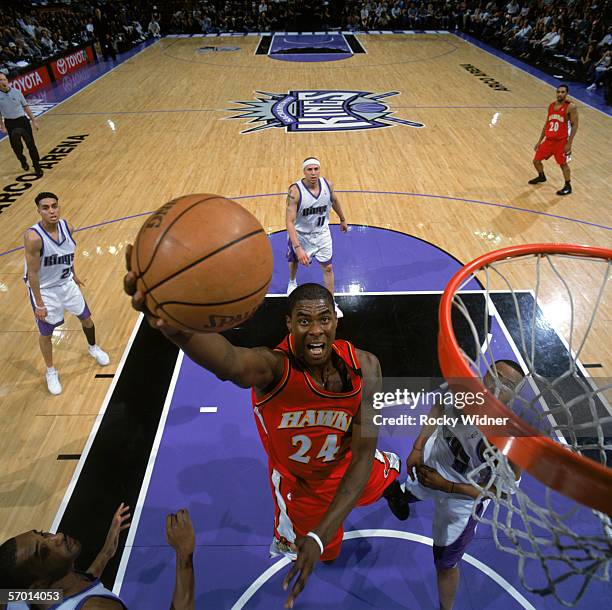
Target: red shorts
299 510
548 148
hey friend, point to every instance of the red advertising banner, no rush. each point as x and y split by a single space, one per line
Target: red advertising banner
71 63
28 82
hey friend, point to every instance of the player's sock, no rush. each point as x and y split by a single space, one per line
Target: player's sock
539 178
397 499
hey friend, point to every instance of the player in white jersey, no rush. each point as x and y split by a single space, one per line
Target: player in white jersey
441 457
40 560
308 204
53 285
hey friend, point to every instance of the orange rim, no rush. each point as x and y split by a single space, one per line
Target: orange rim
571 474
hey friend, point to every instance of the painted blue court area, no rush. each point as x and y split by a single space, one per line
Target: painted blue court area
208 458
310 47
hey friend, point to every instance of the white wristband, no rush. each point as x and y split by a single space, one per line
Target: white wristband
317 540
37 307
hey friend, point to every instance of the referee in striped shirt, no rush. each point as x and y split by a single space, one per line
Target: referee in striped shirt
13 119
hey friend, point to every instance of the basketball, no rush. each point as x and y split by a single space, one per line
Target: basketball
203 263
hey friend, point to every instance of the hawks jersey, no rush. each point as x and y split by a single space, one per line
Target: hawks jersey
56 257
306 430
556 123
313 212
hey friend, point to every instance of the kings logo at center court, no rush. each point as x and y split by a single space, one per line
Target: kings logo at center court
320 110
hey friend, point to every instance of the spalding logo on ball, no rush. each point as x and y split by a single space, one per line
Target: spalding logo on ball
203 263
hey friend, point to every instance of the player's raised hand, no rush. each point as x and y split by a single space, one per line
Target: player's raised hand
120 522
138 300
308 553
180 533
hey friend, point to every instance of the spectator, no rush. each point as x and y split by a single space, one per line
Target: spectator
154 28
512 8
588 60
606 41
600 71
103 34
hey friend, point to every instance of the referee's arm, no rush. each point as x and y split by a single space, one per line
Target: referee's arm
27 110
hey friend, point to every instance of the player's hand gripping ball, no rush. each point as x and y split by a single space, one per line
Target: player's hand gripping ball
203 263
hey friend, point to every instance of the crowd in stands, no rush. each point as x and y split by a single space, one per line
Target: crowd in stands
573 37
31 34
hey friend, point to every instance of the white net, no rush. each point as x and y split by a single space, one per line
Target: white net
553 327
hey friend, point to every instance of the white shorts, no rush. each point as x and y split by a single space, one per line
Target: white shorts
65 297
317 245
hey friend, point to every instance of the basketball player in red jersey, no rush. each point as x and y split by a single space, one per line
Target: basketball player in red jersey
556 139
312 400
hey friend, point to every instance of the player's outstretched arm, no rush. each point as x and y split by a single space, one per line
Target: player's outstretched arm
181 537
258 367
119 522
363 447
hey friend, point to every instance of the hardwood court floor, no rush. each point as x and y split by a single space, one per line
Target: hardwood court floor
158 127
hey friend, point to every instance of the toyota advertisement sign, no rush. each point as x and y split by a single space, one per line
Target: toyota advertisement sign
71 63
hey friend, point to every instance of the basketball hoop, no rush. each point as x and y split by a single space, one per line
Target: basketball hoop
559 428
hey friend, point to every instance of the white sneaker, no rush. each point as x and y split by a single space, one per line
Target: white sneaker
291 286
592 87
53 384
339 313
100 356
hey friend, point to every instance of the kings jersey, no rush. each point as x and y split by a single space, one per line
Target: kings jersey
305 429
556 123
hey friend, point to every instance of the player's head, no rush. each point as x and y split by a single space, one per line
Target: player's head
37 559
562 91
311 320
48 206
312 169
504 380
4 83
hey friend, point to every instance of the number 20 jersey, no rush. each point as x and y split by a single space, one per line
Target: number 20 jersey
56 257
306 430
557 122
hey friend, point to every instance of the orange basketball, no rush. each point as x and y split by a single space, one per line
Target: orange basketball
203 262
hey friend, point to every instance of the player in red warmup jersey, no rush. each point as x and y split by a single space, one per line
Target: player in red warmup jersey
312 401
556 138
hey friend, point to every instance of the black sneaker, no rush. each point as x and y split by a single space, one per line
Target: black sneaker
537 180
397 499
24 166
566 190
38 170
